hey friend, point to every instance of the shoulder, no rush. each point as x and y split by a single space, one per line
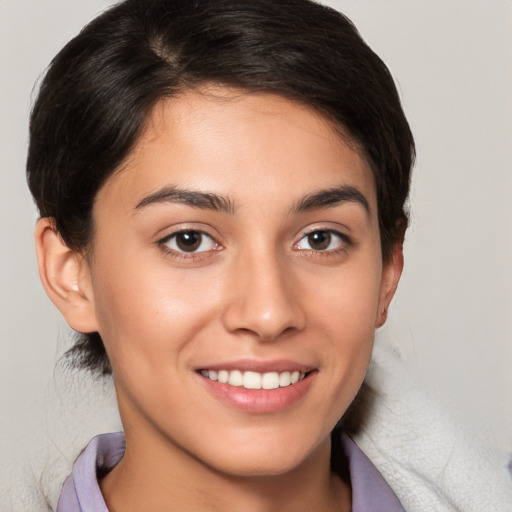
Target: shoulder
81 491
370 492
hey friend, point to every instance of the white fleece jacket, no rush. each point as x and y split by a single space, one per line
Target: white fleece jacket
433 463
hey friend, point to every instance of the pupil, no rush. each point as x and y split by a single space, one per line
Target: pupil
319 240
188 241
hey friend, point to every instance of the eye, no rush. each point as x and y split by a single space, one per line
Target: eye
321 240
189 242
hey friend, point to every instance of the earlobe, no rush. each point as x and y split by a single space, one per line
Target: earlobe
65 277
391 273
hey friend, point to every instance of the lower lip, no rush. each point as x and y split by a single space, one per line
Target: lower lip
260 401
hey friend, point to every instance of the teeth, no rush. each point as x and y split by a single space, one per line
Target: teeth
285 379
254 380
270 380
235 378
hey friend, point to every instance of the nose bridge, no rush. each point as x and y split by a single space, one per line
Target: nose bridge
264 299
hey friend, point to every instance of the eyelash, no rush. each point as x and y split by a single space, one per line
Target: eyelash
184 255
344 242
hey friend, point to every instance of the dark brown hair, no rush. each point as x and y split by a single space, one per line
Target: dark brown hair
99 89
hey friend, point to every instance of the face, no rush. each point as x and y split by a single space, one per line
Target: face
237 280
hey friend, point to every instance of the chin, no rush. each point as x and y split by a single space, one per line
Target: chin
261 465
258 457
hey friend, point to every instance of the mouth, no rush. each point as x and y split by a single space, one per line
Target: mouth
255 380
258 387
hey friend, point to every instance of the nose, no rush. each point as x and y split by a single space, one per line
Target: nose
264 298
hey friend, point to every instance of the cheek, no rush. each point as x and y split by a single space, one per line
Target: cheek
151 315
346 313
346 299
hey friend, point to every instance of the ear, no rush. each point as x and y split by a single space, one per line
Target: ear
65 276
391 272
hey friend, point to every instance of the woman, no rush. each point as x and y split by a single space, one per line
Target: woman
221 186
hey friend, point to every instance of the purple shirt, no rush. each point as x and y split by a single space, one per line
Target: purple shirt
81 492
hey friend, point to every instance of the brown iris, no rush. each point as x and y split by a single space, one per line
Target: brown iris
188 241
319 240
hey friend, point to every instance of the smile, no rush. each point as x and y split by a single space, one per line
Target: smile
254 380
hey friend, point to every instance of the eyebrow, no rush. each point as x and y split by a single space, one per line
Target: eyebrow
207 200
332 197
196 199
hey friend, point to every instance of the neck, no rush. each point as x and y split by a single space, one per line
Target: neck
158 476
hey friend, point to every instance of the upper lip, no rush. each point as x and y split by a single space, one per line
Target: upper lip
260 366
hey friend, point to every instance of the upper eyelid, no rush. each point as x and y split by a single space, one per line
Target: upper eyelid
335 231
186 229
326 225
308 231
165 240
174 233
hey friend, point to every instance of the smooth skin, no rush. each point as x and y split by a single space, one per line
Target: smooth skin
212 246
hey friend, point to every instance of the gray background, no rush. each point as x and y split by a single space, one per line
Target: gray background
452 318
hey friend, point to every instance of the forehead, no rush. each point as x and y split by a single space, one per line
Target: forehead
235 143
